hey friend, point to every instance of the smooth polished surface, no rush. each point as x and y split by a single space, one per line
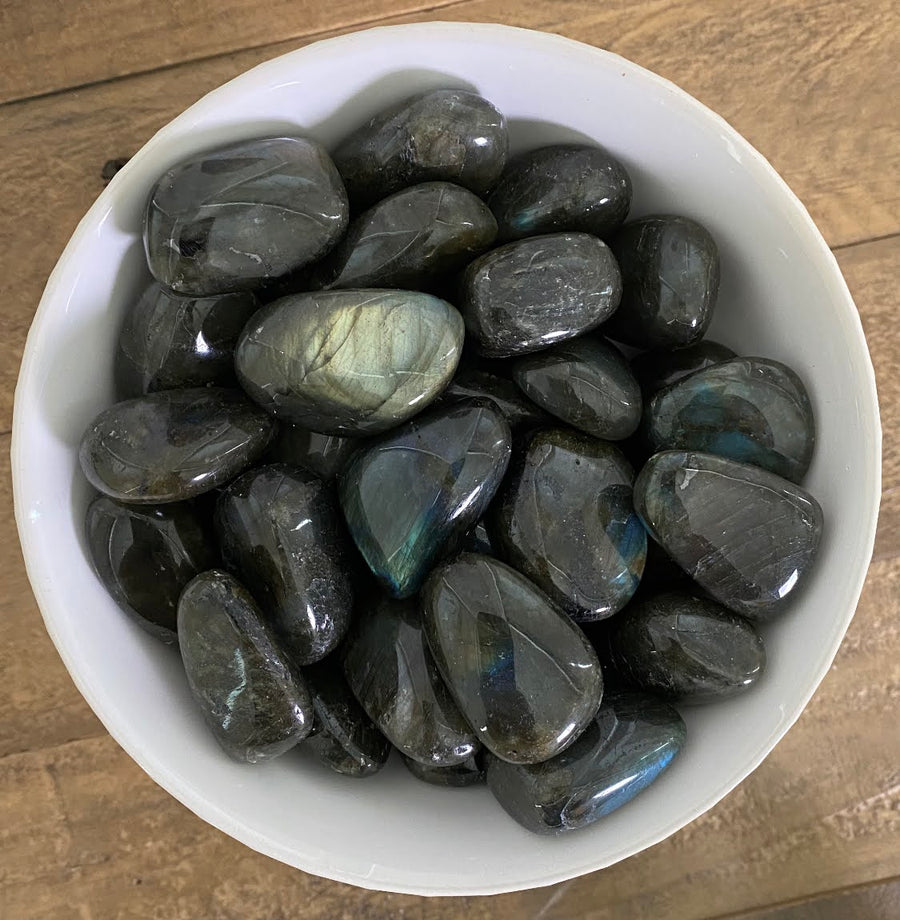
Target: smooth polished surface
748 409
523 674
629 742
746 536
565 518
657 369
415 493
349 362
468 773
323 454
472 382
252 698
836 807
280 531
145 555
174 444
445 134
526 295
393 675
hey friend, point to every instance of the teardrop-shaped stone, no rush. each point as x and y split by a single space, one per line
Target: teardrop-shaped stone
345 738
323 454
280 531
565 519
468 773
746 536
561 187
145 555
687 649
349 362
527 295
473 383
418 490
233 218
523 674
630 741
670 281
252 698
586 383
393 675
410 238
753 410
657 369
174 444
446 134
169 342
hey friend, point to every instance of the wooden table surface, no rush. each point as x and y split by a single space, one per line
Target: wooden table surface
815 832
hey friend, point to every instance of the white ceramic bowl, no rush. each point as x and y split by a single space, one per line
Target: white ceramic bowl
781 296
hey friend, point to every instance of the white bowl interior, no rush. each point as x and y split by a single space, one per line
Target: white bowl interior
781 296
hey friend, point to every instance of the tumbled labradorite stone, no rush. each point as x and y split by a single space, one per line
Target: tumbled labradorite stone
410 238
523 674
585 382
252 697
323 454
468 773
346 739
145 555
561 187
565 519
248 213
749 409
518 410
748 537
350 362
168 342
686 648
174 444
670 281
414 493
280 531
657 369
527 295
631 740
393 675
447 134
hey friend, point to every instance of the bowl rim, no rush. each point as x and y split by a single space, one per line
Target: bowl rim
120 729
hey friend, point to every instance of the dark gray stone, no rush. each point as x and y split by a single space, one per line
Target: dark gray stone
323 454
351 362
468 773
248 213
530 294
174 444
523 674
474 383
657 369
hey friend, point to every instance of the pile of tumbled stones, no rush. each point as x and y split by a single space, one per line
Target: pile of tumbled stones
374 467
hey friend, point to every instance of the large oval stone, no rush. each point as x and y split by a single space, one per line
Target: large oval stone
410 239
349 362
468 773
418 490
174 444
523 674
561 187
527 295
586 383
393 675
746 536
145 555
446 134
749 409
565 519
630 741
169 342
670 281
686 648
323 454
345 738
280 530
474 383
253 700
658 369
251 212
